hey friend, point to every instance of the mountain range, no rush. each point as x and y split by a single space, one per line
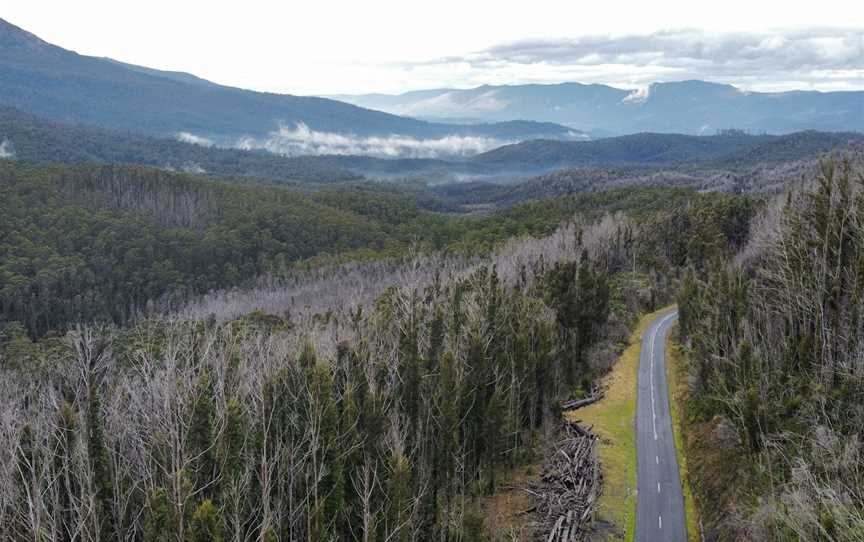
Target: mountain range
732 150
54 83
515 128
688 107
29 138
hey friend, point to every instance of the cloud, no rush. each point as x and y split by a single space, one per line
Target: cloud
187 137
302 140
826 58
193 167
6 150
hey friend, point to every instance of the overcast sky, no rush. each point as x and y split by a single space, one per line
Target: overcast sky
330 47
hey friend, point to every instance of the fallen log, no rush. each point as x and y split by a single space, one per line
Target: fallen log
579 403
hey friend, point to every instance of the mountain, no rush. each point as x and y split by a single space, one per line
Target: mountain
728 148
54 83
691 107
28 138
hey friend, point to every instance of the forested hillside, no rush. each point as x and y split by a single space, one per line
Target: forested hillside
32 139
727 148
544 312
361 400
776 349
104 243
712 162
83 243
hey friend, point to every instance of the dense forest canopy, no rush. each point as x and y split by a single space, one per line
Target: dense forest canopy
99 243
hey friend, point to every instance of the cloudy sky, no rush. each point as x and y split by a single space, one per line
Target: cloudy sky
335 47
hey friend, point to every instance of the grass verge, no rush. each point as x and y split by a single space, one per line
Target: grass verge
676 376
614 420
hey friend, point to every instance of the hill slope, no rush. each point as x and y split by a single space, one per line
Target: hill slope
727 148
49 81
29 138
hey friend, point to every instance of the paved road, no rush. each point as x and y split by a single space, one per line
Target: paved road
660 502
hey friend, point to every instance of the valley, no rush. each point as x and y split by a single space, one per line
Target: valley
549 311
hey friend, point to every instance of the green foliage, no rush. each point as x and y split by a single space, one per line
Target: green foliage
160 519
100 243
370 422
200 437
473 528
204 526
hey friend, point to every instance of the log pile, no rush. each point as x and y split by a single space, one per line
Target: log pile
569 486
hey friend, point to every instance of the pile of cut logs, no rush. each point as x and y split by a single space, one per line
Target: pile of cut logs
569 486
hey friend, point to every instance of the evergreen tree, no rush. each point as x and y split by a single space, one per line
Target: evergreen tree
205 523
160 519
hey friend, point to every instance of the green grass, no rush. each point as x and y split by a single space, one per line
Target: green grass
676 375
614 421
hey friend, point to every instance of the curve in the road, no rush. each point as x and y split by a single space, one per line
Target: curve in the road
660 501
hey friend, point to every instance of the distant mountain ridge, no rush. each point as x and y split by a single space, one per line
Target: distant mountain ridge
51 82
29 138
733 150
726 148
689 107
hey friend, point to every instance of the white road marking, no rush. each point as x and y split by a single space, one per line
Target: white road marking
660 521
653 410
658 487
657 459
653 340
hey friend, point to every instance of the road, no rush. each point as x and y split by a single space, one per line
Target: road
660 502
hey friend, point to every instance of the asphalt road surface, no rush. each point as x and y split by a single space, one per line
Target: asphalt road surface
660 502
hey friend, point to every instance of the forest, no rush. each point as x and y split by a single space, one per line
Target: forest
37 140
775 342
187 359
353 398
84 243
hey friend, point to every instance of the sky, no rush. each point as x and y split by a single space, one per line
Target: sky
327 47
